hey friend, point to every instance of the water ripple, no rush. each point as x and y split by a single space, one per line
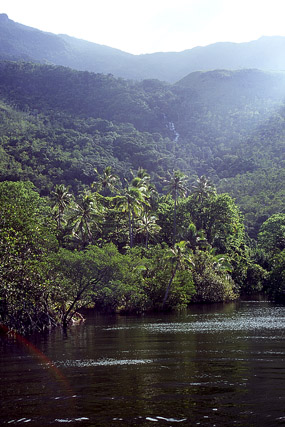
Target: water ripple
246 324
101 362
214 325
70 420
171 420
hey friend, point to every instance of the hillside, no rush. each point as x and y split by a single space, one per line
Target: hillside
58 124
233 122
19 42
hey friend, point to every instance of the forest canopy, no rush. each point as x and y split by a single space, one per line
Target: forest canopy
120 247
58 124
136 196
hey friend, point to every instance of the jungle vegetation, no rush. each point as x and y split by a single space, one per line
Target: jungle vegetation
137 196
122 247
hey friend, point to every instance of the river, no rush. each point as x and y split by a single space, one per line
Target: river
211 365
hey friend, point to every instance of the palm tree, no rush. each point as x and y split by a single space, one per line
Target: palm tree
131 201
143 175
147 226
176 185
179 259
107 181
203 188
61 199
142 180
87 213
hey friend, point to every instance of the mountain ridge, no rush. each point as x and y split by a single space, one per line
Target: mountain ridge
20 42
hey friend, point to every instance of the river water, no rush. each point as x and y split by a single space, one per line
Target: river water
212 365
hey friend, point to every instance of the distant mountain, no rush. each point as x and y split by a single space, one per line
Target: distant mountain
19 42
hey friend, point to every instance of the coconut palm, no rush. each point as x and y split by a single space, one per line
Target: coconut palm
143 175
61 199
203 188
87 214
147 226
180 259
142 180
176 185
132 201
107 181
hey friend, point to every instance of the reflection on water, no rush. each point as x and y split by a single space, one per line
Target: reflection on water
102 362
219 365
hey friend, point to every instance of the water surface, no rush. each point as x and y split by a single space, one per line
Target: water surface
217 365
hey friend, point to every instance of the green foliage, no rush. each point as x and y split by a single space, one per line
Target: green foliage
42 285
256 278
87 214
80 278
27 236
77 136
271 240
168 280
107 182
219 219
260 194
203 189
125 292
276 280
272 234
176 185
212 280
57 126
148 227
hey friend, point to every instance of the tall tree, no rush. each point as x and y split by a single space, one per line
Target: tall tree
107 182
176 185
203 188
180 258
27 236
271 236
86 215
147 226
131 201
61 199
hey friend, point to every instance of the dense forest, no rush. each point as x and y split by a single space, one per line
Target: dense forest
137 196
57 124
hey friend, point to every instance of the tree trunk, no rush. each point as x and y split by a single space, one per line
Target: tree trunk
169 285
130 230
174 222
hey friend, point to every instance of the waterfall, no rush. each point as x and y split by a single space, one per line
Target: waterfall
171 127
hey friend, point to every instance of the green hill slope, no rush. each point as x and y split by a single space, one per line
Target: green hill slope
57 125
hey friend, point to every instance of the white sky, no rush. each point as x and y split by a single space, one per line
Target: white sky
145 26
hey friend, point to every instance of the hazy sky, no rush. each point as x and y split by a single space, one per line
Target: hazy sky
145 26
